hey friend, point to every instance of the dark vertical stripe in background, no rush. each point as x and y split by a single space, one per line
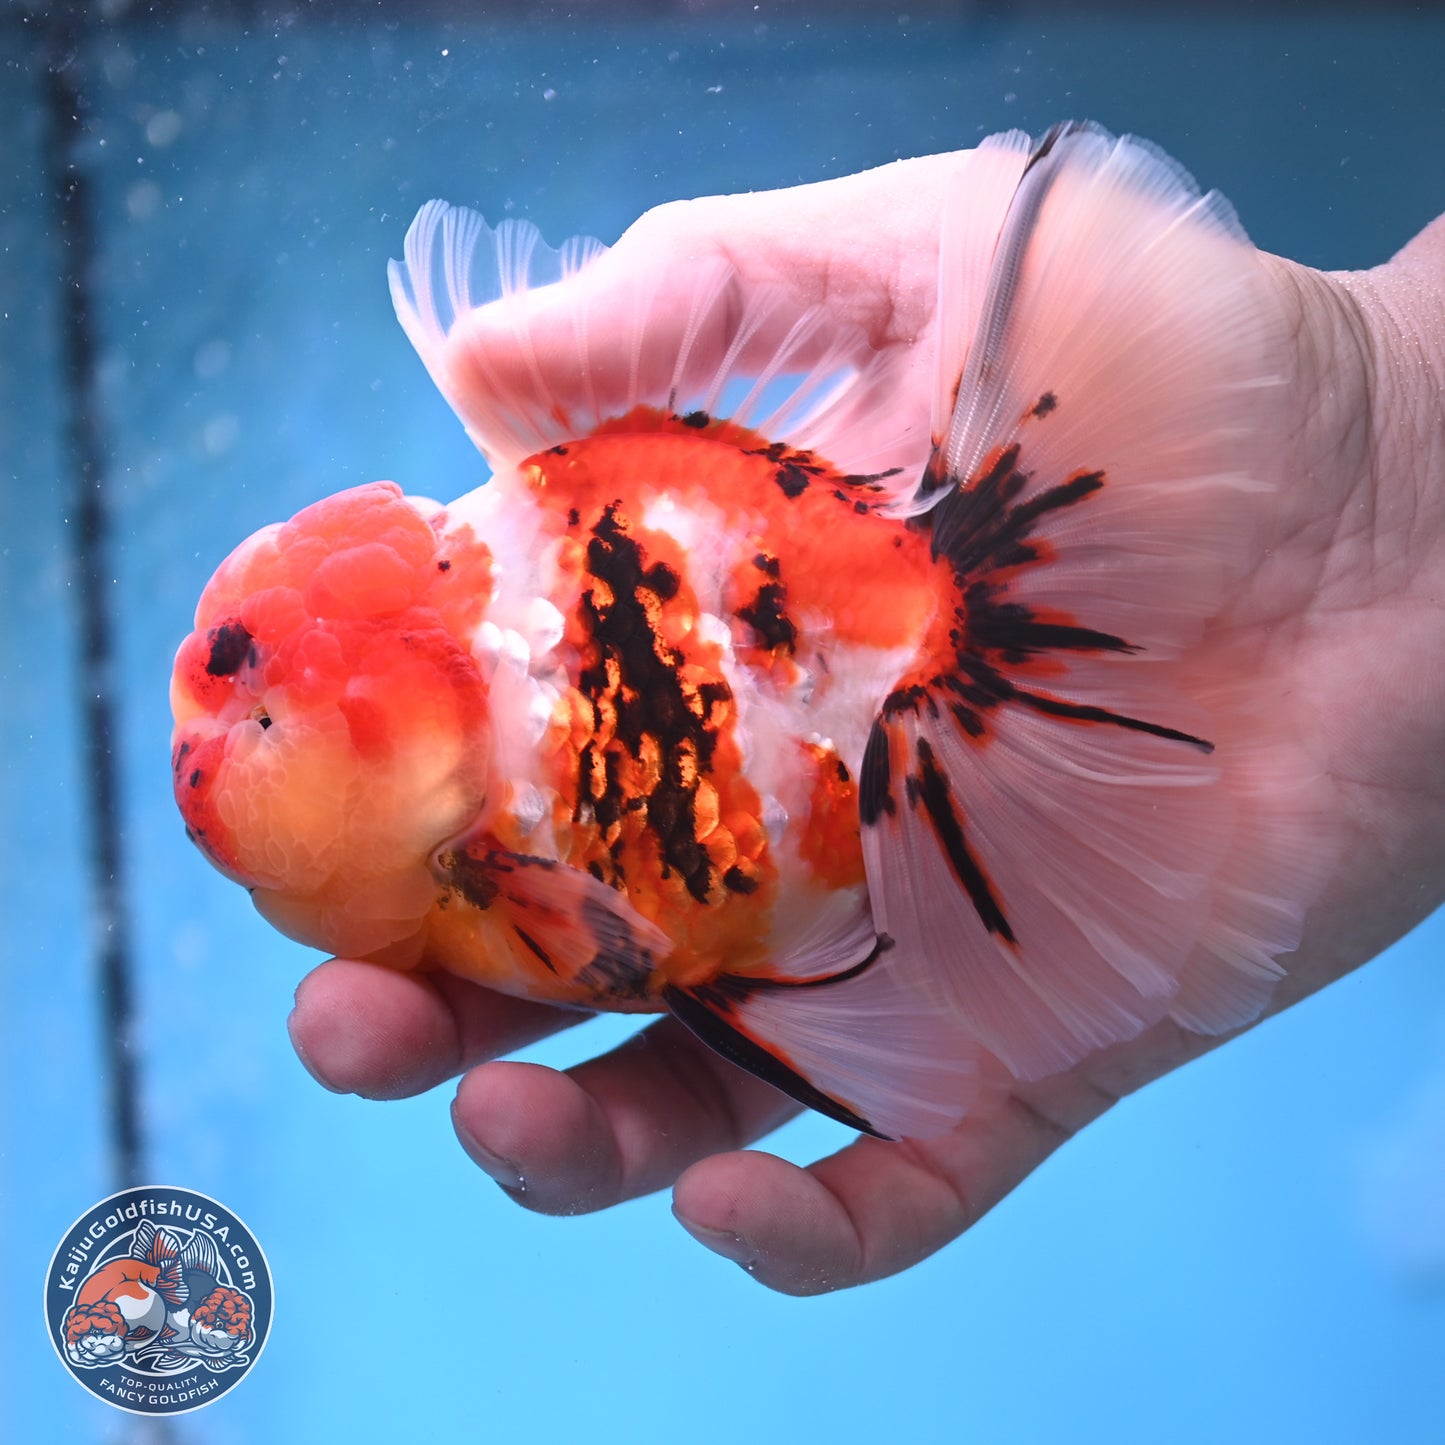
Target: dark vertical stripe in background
90 524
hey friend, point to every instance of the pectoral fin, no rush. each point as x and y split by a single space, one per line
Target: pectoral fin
570 936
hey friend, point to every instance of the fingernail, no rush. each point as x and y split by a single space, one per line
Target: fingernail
726 1242
498 1170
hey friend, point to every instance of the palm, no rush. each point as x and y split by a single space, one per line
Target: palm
1340 627
1337 612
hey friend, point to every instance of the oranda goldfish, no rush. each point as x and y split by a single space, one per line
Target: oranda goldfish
163 1294
877 755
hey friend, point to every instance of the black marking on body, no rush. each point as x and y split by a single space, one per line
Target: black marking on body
768 618
196 776
1045 404
697 419
736 881
662 580
230 647
796 471
792 480
444 565
573 516
639 676
870 480
474 878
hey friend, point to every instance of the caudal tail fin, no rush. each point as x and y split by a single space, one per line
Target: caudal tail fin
1064 823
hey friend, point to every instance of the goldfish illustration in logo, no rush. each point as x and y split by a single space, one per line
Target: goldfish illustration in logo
868 743
136 1306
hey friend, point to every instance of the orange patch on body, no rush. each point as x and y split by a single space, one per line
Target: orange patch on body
829 841
865 577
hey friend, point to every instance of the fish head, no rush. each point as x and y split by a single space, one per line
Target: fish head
330 720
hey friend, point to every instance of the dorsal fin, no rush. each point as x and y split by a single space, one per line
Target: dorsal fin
529 364
200 1253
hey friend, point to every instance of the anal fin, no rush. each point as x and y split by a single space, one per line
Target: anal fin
718 1013
846 1039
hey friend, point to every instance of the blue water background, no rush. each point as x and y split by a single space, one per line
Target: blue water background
1250 1250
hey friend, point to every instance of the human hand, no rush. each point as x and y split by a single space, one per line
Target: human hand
1338 628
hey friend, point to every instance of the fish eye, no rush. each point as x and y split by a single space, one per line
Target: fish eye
260 715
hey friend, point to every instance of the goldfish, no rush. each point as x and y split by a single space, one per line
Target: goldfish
858 729
139 1300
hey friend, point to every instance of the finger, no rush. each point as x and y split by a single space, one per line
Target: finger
362 1029
614 1128
867 1212
851 244
855 247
